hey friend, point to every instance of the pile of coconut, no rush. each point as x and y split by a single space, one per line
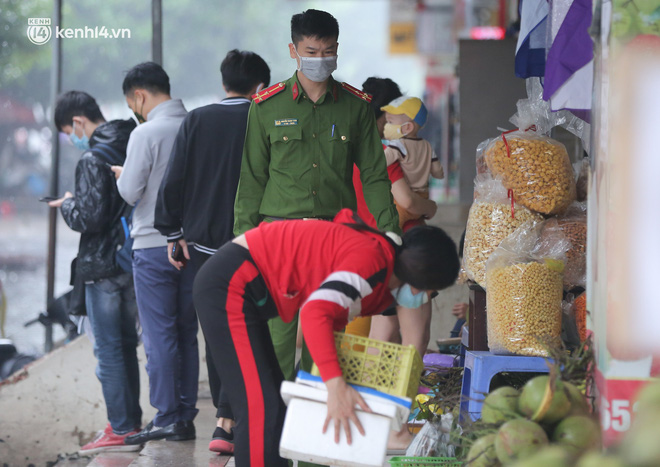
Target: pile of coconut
548 423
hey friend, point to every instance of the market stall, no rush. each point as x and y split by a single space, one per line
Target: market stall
560 356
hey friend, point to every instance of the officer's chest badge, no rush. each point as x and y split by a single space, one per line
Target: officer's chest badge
286 122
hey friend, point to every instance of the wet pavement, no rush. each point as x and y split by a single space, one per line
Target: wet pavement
193 453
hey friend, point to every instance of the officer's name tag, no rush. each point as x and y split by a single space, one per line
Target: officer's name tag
286 122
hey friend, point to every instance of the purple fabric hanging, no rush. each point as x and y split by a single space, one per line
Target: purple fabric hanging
571 50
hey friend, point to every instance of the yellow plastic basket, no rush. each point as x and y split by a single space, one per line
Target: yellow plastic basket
386 367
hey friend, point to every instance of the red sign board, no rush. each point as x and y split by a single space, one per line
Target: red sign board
487 33
616 404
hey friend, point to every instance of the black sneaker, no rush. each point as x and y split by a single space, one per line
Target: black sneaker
179 431
222 441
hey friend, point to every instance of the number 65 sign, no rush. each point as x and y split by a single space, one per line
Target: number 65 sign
617 406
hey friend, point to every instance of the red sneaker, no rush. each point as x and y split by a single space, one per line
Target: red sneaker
222 442
106 440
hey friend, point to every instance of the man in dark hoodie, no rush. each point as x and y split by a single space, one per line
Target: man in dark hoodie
195 205
95 211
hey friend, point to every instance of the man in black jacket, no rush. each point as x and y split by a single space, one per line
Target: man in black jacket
195 205
95 211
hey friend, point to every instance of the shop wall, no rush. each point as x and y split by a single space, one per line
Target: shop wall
488 93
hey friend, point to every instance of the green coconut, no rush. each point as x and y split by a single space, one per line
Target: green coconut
542 401
578 433
518 439
500 405
579 404
649 396
482 453
640 446
598 459
549 456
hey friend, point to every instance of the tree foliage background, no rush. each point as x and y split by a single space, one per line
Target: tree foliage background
197 35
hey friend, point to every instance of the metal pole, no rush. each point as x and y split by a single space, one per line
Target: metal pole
502 14
157 31
56 88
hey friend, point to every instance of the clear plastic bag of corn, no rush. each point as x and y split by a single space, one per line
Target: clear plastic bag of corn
525 288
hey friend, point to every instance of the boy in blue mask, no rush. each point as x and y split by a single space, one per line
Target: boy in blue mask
405 117
94 211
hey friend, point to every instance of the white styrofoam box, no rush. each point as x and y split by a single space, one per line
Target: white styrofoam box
371 396
303 438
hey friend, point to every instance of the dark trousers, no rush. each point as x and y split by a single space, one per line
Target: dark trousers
234 306
169 332
223 409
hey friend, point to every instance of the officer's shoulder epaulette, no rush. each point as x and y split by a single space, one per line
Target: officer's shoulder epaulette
268 92
356 92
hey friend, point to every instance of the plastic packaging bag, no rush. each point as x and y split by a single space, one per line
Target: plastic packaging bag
574 225
538 112
492 218
581 315
524 300
582 172
536 169
433 439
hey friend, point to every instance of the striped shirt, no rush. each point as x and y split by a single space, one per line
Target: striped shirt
330 272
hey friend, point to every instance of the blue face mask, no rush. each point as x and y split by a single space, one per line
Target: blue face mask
404 296
80 143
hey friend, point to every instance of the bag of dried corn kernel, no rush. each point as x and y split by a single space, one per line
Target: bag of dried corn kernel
574 225
491 219
534 167
525 288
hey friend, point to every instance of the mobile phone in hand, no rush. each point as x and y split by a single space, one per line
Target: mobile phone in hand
177 253
47 199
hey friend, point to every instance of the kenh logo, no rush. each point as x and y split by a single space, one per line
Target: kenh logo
39 31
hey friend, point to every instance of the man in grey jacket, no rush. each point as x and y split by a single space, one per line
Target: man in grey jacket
164 293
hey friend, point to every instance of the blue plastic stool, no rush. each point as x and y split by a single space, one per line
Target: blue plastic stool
480 367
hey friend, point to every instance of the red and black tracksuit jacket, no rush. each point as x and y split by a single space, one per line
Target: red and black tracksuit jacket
329 271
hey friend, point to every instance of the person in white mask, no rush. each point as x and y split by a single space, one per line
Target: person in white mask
303 137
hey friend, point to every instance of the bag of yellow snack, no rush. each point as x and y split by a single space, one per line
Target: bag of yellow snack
534 168
525 287
491 219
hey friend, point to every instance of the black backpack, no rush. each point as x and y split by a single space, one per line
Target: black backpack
124 255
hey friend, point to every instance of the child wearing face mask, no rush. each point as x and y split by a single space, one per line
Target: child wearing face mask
405 116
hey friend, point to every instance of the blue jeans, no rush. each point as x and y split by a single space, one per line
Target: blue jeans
169 333
112 312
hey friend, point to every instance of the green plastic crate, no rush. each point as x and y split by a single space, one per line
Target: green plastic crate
386 367
425 462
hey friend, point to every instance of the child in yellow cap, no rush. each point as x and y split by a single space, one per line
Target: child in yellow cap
405 116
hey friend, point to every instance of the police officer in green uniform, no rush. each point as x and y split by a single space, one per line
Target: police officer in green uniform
303 137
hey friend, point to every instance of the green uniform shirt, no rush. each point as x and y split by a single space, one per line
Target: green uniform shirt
298 158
